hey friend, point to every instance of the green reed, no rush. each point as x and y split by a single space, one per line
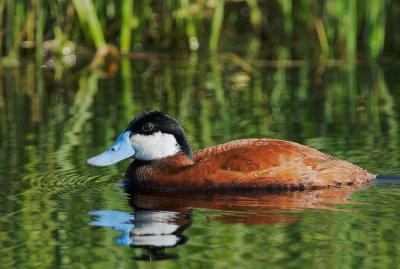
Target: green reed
334 29
216 25
87 15
126 25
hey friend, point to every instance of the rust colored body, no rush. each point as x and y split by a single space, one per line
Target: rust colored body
248 164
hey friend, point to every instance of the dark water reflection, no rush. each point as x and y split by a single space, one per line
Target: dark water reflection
51 203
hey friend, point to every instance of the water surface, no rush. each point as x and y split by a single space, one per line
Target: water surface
56 212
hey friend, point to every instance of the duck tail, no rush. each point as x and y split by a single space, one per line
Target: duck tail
380 179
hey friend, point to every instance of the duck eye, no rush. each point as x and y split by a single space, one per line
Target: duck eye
148 127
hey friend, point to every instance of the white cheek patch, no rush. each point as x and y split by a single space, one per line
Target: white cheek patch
155 146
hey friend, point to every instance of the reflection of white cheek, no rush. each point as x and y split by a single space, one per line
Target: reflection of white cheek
168 240
155 229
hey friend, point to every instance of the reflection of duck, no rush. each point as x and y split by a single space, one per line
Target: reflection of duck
151 230
249 206
160 218
164 159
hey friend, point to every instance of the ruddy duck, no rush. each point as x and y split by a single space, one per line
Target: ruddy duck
164 160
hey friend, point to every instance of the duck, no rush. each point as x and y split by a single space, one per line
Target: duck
164 159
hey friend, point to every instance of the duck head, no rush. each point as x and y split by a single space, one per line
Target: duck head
150 136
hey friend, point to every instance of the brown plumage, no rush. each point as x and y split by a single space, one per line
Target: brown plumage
164 160
249 163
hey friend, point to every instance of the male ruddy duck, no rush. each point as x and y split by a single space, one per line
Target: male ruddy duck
164 160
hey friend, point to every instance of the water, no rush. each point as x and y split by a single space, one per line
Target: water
56 212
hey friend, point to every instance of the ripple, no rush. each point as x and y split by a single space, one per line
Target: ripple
52 181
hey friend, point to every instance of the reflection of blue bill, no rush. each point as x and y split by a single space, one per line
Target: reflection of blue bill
117 220
144 228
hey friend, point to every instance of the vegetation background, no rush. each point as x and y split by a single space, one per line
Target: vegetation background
328 29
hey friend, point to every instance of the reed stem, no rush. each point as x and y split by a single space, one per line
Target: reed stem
216 25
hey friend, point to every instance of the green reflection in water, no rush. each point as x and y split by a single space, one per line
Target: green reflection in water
49 127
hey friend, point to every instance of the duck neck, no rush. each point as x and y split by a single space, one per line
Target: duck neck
185 145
